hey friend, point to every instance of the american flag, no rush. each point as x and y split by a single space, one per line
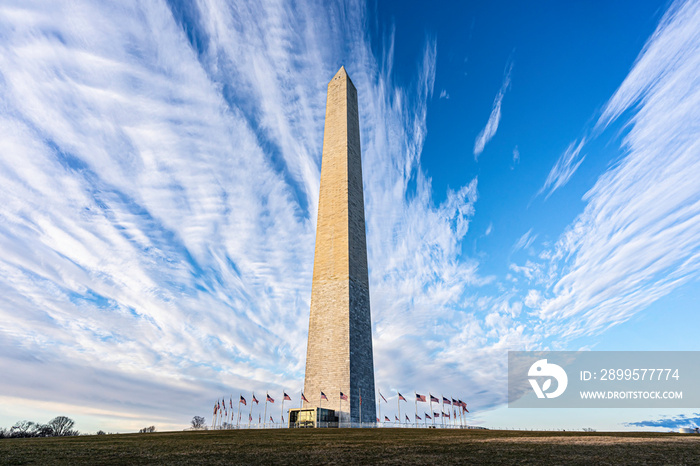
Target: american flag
303 398
407 419
436 415
445 401
418 418
420 397
269 398
427 416
343 396
255 400
396 417
446 415
454 402
377 419
250 417
230 401
380 394
286 397
433 399
271 420
323 396
242 400
401 397
386 418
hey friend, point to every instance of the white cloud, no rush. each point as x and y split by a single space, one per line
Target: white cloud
525 241
639 236
444 95
159 183
564 168
489 130
158 192
516 156
533 298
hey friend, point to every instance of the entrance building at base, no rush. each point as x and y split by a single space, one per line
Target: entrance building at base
312 417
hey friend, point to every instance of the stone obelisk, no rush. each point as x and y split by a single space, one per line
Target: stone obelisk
339 355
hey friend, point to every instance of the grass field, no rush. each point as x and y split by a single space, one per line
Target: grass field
357 446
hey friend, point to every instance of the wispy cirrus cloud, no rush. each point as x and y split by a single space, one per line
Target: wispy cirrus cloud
491 127
158 191
638 237
564 168
525 241
159 184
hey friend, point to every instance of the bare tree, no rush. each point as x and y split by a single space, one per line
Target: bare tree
62 426
198 422
147 430
43 430
23 429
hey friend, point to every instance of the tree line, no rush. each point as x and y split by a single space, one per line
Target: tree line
60 426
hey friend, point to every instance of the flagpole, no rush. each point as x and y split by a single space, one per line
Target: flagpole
454 413
238 415
379 403
340 406
250 414
442 410
415 397
282 413
398 403
264 423
432 413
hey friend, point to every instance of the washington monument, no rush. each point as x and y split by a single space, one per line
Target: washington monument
339 355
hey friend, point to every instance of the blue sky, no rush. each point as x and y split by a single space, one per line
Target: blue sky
530 178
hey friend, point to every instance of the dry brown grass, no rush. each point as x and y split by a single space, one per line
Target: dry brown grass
357 446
